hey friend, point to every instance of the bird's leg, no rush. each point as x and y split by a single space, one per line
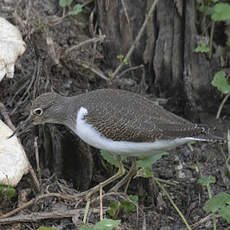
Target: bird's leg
120 172
127 178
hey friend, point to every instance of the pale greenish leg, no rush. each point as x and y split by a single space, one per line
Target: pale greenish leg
132 172
120 172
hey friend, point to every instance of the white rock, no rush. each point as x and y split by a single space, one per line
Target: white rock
13 161
11 46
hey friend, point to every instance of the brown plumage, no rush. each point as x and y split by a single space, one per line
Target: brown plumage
119 115
128 124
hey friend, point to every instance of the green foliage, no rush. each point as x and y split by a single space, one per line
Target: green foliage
46 228
110 158
202 49
206 9
220 81
219 204
76 9
145 162
217 11
127 206
125 61
228 42
146 172
105 224
7 191
114 209
122 59
150 160
65 3
221 12
212 11
225 213
206 181
110 75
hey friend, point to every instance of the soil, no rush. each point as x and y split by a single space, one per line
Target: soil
67 165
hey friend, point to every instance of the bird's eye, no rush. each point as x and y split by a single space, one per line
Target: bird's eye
37 112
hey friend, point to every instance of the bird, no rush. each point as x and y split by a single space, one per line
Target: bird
121 122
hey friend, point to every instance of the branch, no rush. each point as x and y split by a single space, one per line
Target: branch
148 16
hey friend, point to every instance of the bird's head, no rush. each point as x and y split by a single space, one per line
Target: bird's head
46 108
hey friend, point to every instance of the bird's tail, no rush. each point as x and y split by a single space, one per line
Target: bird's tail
209 134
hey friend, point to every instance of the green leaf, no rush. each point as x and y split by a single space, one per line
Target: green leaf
221 12
46 228
125 61
128 206
150 160
6 190
110 75
206 181
86 227
109 157
220 81
134 198
64 3
207 10
145 172
76 10
114 208
106 224
225 213
202 49
228 42
120 57
217 202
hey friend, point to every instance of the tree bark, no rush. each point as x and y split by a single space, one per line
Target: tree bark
166 48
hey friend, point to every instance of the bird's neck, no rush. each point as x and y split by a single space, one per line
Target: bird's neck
71 106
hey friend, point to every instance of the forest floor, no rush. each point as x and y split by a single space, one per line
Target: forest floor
53 61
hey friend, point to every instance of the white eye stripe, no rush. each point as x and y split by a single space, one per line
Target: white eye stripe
37 112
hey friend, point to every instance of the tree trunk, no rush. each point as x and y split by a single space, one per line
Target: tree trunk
166 48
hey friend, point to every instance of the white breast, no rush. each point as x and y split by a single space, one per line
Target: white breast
92 137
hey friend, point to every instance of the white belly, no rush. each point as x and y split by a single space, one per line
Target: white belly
92 137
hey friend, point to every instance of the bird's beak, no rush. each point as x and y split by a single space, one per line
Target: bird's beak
23 127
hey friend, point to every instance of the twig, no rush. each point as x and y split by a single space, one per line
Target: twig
97 72
14 211
6 116
211 38
221 106
30 83
37 157
173 204
34 177
29 203
204 220
101 204
86 211
37 216
126 13
127 70
148 16
92 40
227 162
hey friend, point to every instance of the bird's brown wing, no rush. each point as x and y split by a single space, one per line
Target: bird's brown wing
129 117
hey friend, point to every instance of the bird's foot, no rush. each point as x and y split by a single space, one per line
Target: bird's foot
126 180
87 194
